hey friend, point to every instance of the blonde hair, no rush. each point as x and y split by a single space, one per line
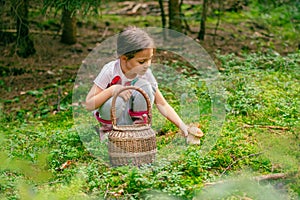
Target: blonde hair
132 40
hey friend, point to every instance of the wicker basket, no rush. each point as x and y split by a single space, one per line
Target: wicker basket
131 144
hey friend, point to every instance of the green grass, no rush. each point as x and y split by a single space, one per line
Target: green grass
281 20
260 136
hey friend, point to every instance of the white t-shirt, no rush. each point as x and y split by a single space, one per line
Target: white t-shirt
113 69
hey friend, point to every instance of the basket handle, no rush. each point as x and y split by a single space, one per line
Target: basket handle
113 104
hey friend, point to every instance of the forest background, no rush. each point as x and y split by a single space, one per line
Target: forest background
255 45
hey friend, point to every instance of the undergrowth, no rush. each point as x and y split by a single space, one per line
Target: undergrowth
44 157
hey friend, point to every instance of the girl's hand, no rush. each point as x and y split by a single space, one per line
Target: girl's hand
125 94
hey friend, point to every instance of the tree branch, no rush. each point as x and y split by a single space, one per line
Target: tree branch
248 156
263 126
270 177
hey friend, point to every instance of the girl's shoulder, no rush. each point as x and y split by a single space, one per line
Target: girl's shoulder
111 67
111 64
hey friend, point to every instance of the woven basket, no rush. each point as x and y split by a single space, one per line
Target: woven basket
131 144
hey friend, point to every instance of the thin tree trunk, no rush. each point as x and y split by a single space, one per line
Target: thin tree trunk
162 13
174 15
219 18
203 20
69 27
25 46
186 25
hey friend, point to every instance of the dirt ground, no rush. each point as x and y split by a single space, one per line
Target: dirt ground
57 63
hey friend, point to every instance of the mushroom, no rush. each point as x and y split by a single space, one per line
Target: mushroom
194 135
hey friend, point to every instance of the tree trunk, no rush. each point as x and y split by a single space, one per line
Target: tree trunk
162 13
174 15
203 19
220 7
25 46
69 27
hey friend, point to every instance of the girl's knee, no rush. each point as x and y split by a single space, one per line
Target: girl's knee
147 87
139 102
105 109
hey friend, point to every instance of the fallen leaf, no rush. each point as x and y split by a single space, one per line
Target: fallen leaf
65 165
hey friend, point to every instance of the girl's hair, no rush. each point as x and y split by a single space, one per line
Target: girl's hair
132 40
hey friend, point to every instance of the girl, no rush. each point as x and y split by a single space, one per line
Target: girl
135 51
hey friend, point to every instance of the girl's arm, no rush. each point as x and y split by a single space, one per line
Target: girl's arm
166 110
97 96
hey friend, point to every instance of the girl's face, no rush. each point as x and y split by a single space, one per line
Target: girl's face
138 65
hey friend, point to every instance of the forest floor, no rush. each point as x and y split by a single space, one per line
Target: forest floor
258 137
23 80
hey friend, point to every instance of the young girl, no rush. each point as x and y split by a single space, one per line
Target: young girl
135 51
